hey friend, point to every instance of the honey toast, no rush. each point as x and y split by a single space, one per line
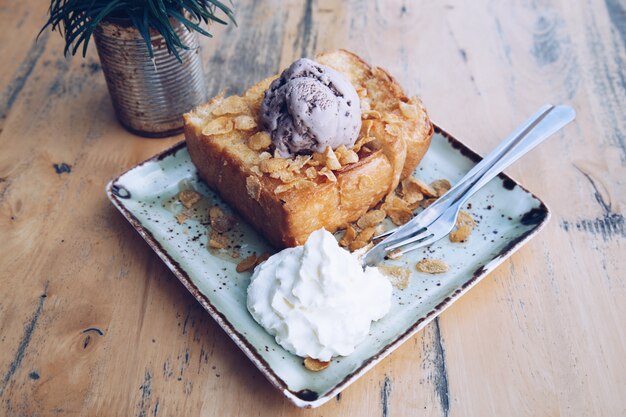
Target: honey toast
286 199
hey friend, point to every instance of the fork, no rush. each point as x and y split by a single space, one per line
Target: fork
438 220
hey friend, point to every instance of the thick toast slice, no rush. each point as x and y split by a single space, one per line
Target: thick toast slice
287 199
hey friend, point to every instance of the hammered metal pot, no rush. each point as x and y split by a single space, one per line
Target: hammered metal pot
149 96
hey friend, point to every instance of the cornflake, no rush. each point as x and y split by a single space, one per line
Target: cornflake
181 218
220 221
397 209
348 237
358 244
366 126
264 155
217 240
247 264
328 174
273 164
393 129
318 159
189 198
351 157
259 141
432 266
441 186
370 114
253 187
362 141
464 218
427 202
346 156
413 197
366 104
244 122
262 258
393 201
363 238
298 162
255 169
421 186
283 175
310 172
391 118
313 162
461 234
410 192
341 150
399 216
331 162
231 105
315 365
367 234
398 276
218 126
408 110
295 184
371 218
464 225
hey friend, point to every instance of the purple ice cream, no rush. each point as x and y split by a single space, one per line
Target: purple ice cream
309 107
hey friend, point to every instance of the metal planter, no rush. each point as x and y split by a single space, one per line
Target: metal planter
150 95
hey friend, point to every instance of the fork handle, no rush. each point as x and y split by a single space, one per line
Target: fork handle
547 120
488 161
532 132
470 178
550 120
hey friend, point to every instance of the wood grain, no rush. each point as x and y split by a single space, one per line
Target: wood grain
92 323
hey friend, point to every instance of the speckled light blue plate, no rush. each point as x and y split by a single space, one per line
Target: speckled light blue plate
507 215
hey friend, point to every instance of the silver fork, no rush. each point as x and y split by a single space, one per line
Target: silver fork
436 221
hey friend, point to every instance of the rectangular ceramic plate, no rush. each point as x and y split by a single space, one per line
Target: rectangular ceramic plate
507 216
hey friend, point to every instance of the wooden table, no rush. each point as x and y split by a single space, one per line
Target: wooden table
93 323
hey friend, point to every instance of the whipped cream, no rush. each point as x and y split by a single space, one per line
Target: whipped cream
316 299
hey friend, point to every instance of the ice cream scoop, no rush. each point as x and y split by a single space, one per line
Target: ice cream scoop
309 107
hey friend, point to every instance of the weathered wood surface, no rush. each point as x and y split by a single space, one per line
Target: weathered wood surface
92 323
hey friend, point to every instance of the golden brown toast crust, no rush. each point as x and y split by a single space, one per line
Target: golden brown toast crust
287 206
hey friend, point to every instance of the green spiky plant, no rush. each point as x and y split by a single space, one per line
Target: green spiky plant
77 19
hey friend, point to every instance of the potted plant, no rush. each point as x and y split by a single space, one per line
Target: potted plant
148 51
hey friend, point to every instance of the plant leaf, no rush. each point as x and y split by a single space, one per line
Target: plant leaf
76 20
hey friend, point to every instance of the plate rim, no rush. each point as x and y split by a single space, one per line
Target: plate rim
306 398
